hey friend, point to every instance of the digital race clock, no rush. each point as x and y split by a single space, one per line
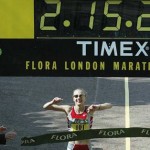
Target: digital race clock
92 18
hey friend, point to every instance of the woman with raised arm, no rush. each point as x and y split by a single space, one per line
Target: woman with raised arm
79 116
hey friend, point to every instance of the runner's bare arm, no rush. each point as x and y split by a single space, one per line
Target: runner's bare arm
103 106
53 105
92 108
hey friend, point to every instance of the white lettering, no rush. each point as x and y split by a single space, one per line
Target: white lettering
84 44
113 48
109 49
124 48
145 131
63 137
141 50
111 133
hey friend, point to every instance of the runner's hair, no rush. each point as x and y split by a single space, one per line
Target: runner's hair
80 89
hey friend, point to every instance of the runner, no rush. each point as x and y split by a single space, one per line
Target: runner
79 116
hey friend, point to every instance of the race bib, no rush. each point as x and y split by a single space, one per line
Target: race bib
79 127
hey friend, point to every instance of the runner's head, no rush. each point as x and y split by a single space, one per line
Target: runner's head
79 96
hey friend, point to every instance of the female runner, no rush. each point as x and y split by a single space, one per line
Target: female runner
79 116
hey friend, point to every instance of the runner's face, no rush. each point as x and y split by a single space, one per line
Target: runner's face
79 97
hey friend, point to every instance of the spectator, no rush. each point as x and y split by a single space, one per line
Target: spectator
6 136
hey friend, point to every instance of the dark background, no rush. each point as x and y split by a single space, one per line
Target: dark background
15 53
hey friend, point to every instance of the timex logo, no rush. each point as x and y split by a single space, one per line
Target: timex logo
114 48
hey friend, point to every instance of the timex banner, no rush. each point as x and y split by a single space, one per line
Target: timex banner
75 57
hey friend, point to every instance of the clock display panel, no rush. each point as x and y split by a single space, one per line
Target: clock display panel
92 18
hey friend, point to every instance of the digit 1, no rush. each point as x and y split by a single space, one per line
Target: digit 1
77 127
50 15
112 15
83 127
139 22
91 22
